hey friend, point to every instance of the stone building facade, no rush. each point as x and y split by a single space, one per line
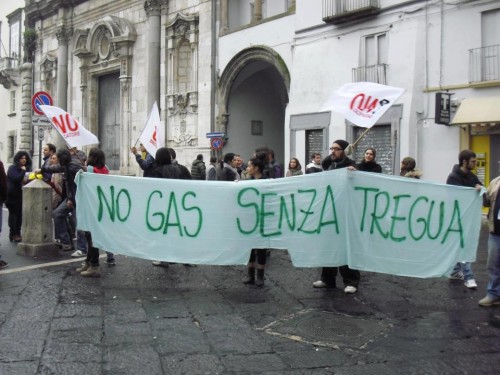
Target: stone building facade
108 62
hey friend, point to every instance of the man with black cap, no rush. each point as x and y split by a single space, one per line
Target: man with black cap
336 160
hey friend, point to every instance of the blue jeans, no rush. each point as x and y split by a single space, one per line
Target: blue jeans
493 266
81 241
60 216
465 268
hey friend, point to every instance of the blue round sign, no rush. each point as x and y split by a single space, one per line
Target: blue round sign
216 143
40 98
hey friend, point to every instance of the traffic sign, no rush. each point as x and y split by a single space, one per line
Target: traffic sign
215 135
216 143
40 98
40 134
40 121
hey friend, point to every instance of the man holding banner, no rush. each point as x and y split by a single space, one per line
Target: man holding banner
338 160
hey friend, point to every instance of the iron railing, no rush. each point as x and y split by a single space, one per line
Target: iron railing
484 64
371 73
337 8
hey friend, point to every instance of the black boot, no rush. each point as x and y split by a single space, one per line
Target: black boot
260 278
250 279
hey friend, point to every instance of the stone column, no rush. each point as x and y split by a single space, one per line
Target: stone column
153 10
224 21
257 11
37 224
26 111
63 35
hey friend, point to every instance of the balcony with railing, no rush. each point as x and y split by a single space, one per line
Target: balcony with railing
371 73
484 64
342 11
8 63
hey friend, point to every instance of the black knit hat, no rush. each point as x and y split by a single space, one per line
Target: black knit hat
343 144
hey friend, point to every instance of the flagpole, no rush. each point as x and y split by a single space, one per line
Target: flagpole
349 150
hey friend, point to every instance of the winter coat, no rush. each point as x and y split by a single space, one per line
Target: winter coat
416 173
15 179
3 185
491 200
313 168
198 170
147 164
369 166
294 172
211 172
460 178
329 163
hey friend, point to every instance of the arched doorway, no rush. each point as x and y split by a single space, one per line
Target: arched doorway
253 97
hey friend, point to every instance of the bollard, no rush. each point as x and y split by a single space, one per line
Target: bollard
37 226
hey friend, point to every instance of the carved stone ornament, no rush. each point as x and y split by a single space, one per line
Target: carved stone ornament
182 138
180 28
153 7
48 68
63 34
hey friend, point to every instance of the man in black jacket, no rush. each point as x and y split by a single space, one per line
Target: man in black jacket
336 160
462 175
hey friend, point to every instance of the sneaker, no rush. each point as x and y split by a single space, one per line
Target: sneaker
349 289
319 284
83 267
92 271
78 254
471 284
456 276
157 263
489 301
110 262
3 264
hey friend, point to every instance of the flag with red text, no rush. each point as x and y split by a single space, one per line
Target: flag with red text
153 134
363 103
68 127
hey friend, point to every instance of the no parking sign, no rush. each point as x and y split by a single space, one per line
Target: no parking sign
40 98
216 143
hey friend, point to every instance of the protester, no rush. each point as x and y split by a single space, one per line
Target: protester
462 175
198 169
254 172
408 168
48 150
315 165
493 289
294 168
368 164
167 168
212 169
3 196
96 163
240 166
185 174
16 178
69 166
228 168
276 167
144 159
338 159
56 182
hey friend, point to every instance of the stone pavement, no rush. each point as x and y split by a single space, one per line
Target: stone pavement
140 319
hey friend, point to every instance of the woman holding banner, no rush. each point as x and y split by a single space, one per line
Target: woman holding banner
338 159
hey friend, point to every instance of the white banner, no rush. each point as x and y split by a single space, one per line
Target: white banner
153 134
73 133
368 221
363 103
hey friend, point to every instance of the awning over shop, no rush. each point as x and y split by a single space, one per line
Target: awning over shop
478 111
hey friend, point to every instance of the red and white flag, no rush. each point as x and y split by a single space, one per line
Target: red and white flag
73 132
153 134
363 103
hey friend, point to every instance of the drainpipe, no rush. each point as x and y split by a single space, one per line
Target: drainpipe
214 66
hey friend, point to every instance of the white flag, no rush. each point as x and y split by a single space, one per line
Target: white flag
153 134
73 133
363 103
